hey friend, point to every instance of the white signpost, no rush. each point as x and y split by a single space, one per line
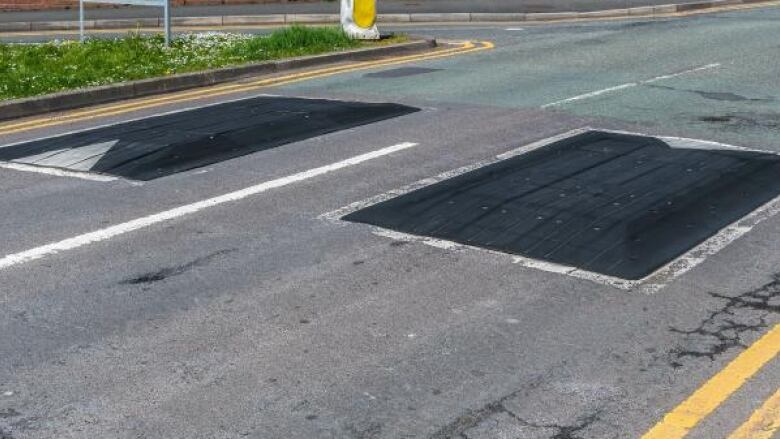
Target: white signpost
358 19
165 4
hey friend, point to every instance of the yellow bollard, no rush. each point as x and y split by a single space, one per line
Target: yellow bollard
358 19
365 13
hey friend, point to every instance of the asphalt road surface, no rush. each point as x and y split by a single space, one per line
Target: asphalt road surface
229 300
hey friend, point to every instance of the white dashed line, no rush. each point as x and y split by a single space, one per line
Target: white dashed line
629 85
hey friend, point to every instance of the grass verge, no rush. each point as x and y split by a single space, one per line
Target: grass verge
35 69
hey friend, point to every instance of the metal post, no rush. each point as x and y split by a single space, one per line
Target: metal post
81 20
167 14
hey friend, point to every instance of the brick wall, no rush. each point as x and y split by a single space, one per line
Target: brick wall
26 5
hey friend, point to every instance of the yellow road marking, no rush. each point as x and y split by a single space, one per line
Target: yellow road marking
125 107
764 422
677 423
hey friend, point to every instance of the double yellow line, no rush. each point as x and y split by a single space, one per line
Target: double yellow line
221 90
763 424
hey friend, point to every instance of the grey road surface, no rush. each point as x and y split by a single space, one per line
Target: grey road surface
258 318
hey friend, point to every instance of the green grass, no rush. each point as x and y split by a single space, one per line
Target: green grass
34 69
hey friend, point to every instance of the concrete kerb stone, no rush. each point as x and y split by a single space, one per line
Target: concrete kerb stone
606 13
394 18
493 17
441 18
18 26
252 19
128 23
549 16
196 21
60 25
312 18
664 9
693 6
646 10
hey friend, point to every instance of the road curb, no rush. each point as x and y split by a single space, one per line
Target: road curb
25 107
269 20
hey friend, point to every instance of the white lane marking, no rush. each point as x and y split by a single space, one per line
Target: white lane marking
56 172
629 85
649 284
177 212
514 28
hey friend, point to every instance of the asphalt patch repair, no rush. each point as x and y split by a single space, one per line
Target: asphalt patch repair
616 204
167 144
401 72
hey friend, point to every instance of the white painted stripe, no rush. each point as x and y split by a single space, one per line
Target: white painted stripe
146 221
592 94
684 72
56 172
629 85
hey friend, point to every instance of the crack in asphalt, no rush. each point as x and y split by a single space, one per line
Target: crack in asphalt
563 431
724 328
458 428
475 417
156 276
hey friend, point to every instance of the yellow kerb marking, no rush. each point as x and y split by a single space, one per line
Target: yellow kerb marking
764 422
677 423
364 13
126 107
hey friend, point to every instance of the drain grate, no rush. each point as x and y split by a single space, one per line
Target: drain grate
615 204
163 145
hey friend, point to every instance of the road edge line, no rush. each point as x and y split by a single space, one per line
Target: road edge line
677 423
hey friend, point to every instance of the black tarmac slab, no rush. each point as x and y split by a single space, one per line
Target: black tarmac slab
164 145
616 204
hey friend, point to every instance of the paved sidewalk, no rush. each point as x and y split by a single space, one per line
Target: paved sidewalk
385 6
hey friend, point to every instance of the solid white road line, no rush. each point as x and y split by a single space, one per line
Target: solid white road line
143 222
629 85
55 172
